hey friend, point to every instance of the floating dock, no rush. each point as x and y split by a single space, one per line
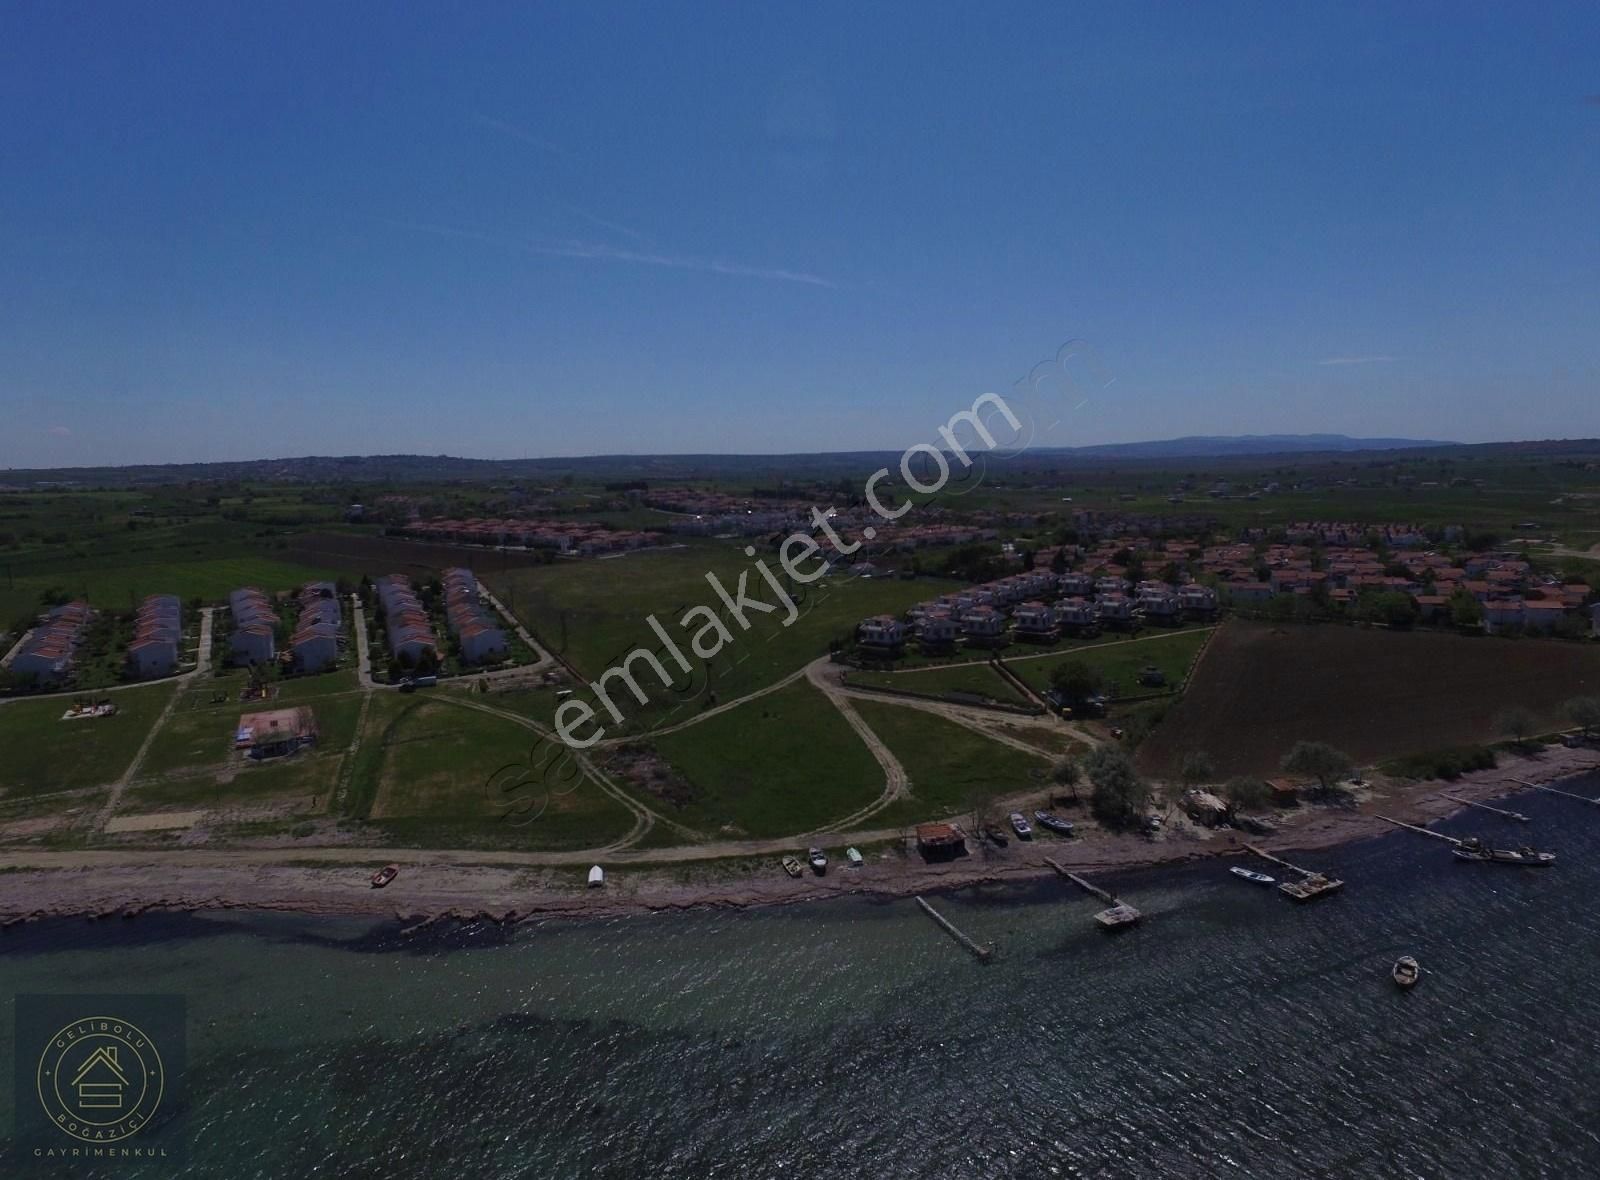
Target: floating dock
1119 913
1516 815
982 953
1311 885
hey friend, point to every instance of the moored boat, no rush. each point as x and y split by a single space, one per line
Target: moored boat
792 866
1251 875
818 859
1477 850
1020 825
384 875
997 836
1406 972
853 857
1049 819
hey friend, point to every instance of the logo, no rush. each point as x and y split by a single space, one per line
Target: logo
101 1079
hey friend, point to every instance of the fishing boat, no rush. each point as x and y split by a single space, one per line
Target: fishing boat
853 857
384 875
1049 819
792 866
1251 875
1020 825
1406 972
1475 849
818 859
997 836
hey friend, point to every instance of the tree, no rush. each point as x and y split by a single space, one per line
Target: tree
1246 792
1516 723
1584 712
1466 611
1197 768
1075 681
1120 796
1320 761
1067 773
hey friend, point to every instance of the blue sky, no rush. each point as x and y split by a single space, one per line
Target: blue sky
235 231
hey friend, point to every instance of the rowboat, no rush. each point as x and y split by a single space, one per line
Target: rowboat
1049 819
384 875
818 859
1251 875
791 866
852 856
1020 826
1406 972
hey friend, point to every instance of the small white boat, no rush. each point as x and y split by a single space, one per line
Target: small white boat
853 856
597 877
819 861
1251 875
1406 972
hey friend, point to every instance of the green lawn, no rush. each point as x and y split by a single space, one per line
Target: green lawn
594 612
40 754
780 765
950 766
431 766
1119 663
975 680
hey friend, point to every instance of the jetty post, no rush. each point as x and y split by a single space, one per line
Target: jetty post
982 953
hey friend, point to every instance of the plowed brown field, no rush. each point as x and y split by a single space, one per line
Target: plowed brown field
1260 688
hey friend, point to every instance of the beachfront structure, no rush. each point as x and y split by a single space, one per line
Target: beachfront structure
937 630
411 637
315 642
480 640
1034 620
1078 614
881 631
157 637
255 627
984 626
46 656
1116 610
275 733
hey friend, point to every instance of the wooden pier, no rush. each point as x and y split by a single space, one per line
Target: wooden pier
1311 886
1119 913
1419 831
1516 815
1554 791
982 953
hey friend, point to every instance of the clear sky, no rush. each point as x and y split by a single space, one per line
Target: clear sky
250 230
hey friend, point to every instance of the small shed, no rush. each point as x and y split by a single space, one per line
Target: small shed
597 877
1285 792
1204 807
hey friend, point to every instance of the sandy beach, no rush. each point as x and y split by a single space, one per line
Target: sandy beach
512 887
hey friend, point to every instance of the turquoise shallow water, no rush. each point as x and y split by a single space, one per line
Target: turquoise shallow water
1234 1035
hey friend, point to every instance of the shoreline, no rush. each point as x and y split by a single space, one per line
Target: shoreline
108 883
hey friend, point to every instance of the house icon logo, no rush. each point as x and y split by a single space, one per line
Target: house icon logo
100 1079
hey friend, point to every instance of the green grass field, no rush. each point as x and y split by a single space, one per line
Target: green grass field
783 764
950 767
978 680
43 754
433 767
594 612
1119 663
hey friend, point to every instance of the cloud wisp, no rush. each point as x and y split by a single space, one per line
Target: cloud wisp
595 252
1354 360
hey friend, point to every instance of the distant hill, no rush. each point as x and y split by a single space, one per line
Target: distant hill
1206 445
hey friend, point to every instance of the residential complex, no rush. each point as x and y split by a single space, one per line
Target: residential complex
46 656
315 642
411 637
480 640
157 637
255 622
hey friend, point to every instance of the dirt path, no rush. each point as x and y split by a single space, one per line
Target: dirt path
894 775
